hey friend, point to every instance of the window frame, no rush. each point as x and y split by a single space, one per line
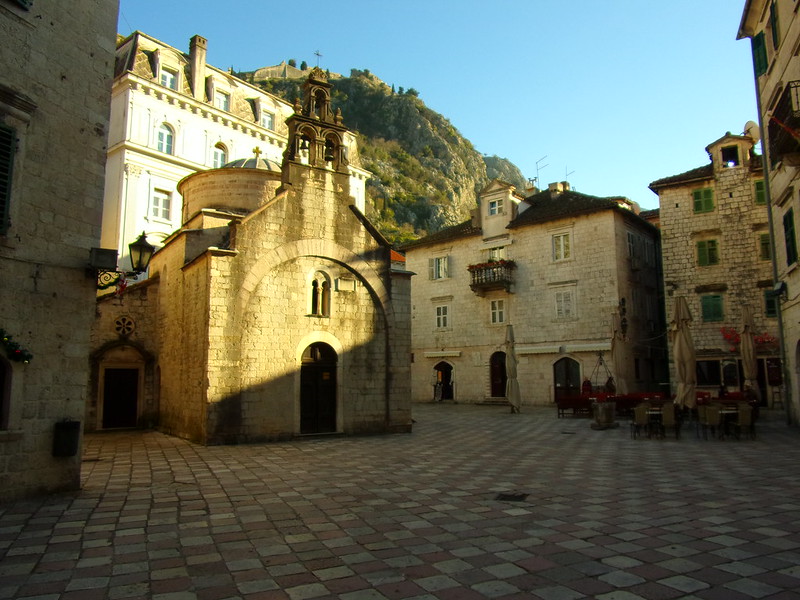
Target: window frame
495 207
561 246
789 237
157 209
497 312
760 192
8 148
165 139
439 268
712 308
703 199
764 247
271 116
219 155
171 76
442 316
771 304
707 253
564 301
222 100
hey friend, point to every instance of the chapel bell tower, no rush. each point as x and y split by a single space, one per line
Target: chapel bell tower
316 133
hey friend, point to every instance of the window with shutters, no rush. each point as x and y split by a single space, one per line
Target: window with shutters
774 26
760 192
703 200
764 247
565 305
707 253
789 237
439 267
8 142
770 304
759 48
711 306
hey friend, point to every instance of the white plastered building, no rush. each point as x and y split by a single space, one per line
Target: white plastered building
172 114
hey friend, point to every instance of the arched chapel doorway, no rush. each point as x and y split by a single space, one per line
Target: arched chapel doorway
497 374
566 378
318 389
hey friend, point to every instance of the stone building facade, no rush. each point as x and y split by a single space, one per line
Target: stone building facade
173 114
56 69
716 250
563 269
276 310
774 31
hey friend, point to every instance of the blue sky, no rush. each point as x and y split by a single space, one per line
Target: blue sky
607 95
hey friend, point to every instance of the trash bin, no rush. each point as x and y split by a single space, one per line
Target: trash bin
66 438
604 413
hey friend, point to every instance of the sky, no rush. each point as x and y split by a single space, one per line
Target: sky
607 95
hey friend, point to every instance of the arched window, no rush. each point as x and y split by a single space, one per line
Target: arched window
166 139
220 156
320 295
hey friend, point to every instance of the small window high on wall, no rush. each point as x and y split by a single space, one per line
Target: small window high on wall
320 295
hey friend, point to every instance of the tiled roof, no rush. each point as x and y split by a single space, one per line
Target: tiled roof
704 172
545 207
462 230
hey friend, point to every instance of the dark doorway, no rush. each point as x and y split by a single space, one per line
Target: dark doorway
318 389
567 378
120 398
443 388
497 372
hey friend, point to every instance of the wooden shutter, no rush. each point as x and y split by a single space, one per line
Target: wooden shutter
8 142
759 49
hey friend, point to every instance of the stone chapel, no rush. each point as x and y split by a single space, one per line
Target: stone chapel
274 311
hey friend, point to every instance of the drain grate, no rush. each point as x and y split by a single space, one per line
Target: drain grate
511 496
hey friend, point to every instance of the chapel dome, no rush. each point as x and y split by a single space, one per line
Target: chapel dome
253 163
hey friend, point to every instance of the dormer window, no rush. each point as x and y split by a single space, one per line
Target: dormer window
222 100
730 156
169 78
268 120
496 206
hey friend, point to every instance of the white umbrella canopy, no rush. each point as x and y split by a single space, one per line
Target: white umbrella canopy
747 349
617 355
512 385
683 354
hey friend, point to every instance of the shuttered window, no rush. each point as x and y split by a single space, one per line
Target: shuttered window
707 253
703 200
8 141
759 48
712 308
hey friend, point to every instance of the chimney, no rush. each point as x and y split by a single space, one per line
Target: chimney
556 188
198 46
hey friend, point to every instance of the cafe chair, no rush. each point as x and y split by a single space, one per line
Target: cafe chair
744 421
669 419
712 420
641 421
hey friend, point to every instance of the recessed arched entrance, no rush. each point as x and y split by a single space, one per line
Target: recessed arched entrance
566 378
443 381
497 374
318 389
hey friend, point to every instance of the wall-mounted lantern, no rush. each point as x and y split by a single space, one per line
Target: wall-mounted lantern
103 262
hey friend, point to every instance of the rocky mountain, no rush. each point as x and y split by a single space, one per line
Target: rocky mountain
426 175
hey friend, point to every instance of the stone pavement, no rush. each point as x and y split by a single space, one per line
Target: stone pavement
586 514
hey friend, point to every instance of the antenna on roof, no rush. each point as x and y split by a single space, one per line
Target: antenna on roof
539 168
567 174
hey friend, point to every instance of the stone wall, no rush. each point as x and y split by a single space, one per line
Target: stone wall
55 86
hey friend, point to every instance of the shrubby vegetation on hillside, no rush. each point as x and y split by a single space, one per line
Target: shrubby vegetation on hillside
425 174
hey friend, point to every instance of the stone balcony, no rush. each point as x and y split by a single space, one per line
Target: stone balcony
492 276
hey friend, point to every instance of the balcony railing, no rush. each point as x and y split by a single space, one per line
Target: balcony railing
784 125
492 276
